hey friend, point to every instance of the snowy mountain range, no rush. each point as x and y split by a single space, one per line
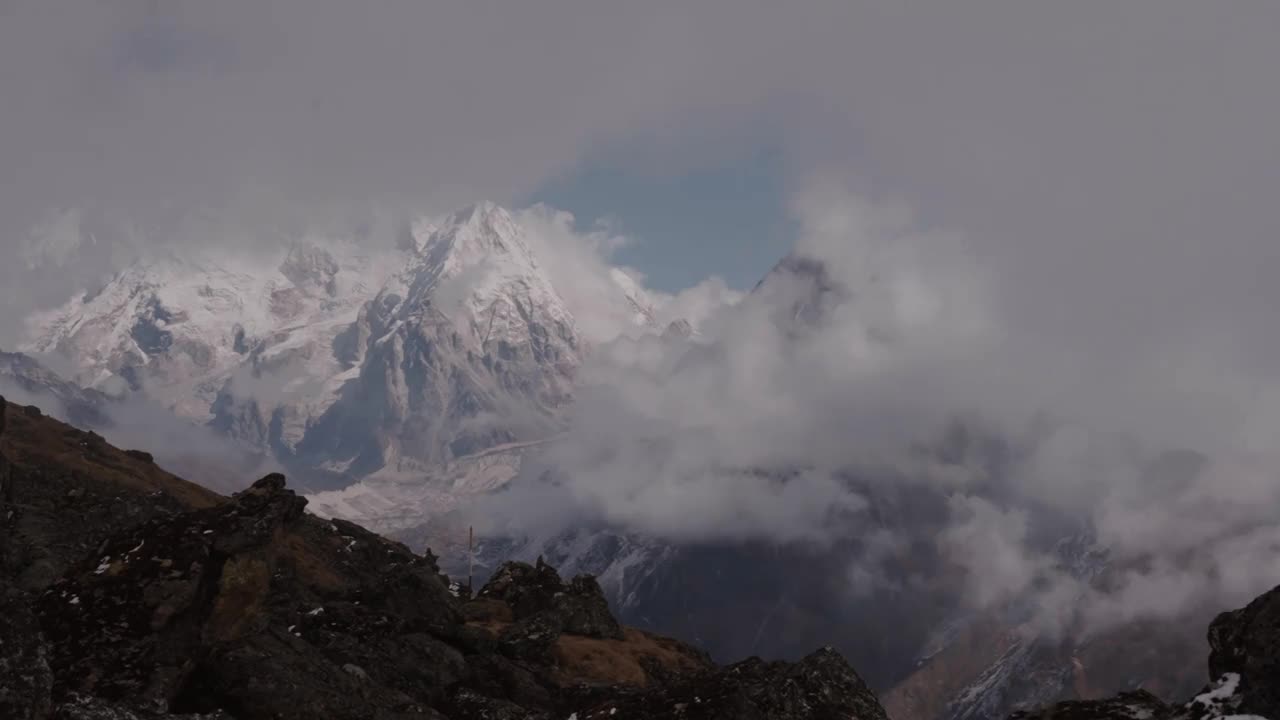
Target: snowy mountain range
341 361
396 382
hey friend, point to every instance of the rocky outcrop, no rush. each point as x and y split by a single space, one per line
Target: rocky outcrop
64 491
470 347
253 608
248 607
69 490
536 594
1245 644
24 667
821 685
1125 706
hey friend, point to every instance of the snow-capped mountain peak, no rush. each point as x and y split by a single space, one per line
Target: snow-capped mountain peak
480 233
475 272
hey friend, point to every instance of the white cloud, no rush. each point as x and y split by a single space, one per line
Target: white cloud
991 544
1113 170
762 426
577 264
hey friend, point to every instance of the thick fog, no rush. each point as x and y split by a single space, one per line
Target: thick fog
1055 221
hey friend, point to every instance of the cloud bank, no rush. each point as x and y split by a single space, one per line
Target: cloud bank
1129 148
853 360
1112 169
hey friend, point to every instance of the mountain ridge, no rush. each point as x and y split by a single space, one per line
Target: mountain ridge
130 594
275 351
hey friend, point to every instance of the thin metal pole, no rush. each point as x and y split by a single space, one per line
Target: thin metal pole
471 557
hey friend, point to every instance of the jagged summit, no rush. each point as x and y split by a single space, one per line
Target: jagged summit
801 289
795 265
477 260
481 233
475 234
467 348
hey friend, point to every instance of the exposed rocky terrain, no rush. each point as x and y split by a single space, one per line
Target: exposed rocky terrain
130 593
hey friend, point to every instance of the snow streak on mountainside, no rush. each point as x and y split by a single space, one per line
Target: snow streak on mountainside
343 359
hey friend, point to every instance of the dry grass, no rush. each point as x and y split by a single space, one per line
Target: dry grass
242 593
596 661
41 441
493 627
620 662
485 611
313 569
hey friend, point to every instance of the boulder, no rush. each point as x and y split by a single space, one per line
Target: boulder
542 602
1245 643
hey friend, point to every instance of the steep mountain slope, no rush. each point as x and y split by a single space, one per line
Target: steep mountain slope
68 489
990 663
128 593
993 667
468 348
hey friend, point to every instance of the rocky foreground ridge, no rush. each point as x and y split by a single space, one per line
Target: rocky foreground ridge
129 593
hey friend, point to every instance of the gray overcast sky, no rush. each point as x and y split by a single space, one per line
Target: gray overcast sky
1113 170
1129 148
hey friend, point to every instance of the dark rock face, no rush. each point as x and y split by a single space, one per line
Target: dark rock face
149 333
25 678
1246 643
135 595
253 608
538 597
24 692
68 491
6 489
78 707
1125 706
46 522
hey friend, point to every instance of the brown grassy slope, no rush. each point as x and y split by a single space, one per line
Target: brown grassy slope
33 440
68 491
633 661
